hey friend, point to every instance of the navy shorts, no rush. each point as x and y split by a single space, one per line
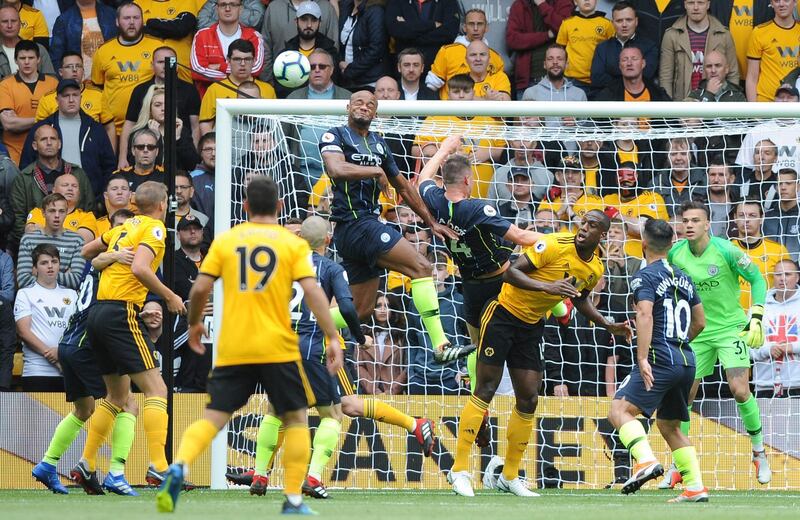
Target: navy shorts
669 395
360 243
477 293
324 385
82 376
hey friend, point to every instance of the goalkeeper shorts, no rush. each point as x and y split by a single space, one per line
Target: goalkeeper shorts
725 345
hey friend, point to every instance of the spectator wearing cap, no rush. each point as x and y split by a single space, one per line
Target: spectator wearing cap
554 86
308 38
782 222
568 198
192 368
521 209
84 141
679 180
792 79
279 26
527 156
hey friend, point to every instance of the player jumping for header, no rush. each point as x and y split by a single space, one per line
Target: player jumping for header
360 166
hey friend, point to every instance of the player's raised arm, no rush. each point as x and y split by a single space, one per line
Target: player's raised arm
318 303
585 307
449 146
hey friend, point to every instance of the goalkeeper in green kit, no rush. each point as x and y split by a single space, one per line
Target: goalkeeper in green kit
715 265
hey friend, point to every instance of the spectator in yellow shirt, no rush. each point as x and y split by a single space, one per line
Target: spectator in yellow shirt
33 24
10 27
491 86
581 34
568 199
451 60
772 52
77 220
765 253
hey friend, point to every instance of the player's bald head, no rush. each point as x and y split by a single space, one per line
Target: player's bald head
149 195
315 231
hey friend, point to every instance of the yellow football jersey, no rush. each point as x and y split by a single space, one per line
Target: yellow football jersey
32 24
257 264
208 107
118 282
580 35
91 103
479 125
74 221
646 204
117 68
103 225
498 81
170 10
777 50
765 254
741 27
451 60
554 257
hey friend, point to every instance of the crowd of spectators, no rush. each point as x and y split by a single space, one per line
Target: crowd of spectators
82 109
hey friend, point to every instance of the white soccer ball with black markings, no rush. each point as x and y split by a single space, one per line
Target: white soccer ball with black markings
291 69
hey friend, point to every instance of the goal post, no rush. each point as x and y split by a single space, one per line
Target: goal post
571 444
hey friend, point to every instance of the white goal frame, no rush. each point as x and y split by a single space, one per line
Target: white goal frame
228 109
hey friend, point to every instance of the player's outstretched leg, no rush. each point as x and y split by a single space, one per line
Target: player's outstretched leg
685 458
371 408
622 416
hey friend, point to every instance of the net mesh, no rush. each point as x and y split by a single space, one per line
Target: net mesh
565 166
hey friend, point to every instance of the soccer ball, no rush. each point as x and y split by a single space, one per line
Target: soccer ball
291 69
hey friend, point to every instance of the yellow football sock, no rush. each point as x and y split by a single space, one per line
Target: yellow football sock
195 440
296 453
100 426
382 412
518 433
155 428
468 425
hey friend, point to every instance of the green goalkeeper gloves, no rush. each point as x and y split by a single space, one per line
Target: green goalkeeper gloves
753 332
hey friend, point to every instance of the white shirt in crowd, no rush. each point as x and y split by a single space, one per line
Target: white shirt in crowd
50 310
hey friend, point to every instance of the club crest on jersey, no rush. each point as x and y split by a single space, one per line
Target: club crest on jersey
327 137
540 246
489 351
385 238
380 148
713 270
66 301
489 211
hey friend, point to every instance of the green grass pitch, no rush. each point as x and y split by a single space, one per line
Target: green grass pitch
402 505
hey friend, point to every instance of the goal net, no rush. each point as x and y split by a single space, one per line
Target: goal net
542 166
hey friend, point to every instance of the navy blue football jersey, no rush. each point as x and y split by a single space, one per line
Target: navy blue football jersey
75 333
357 199
673 295
480 248
333 280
